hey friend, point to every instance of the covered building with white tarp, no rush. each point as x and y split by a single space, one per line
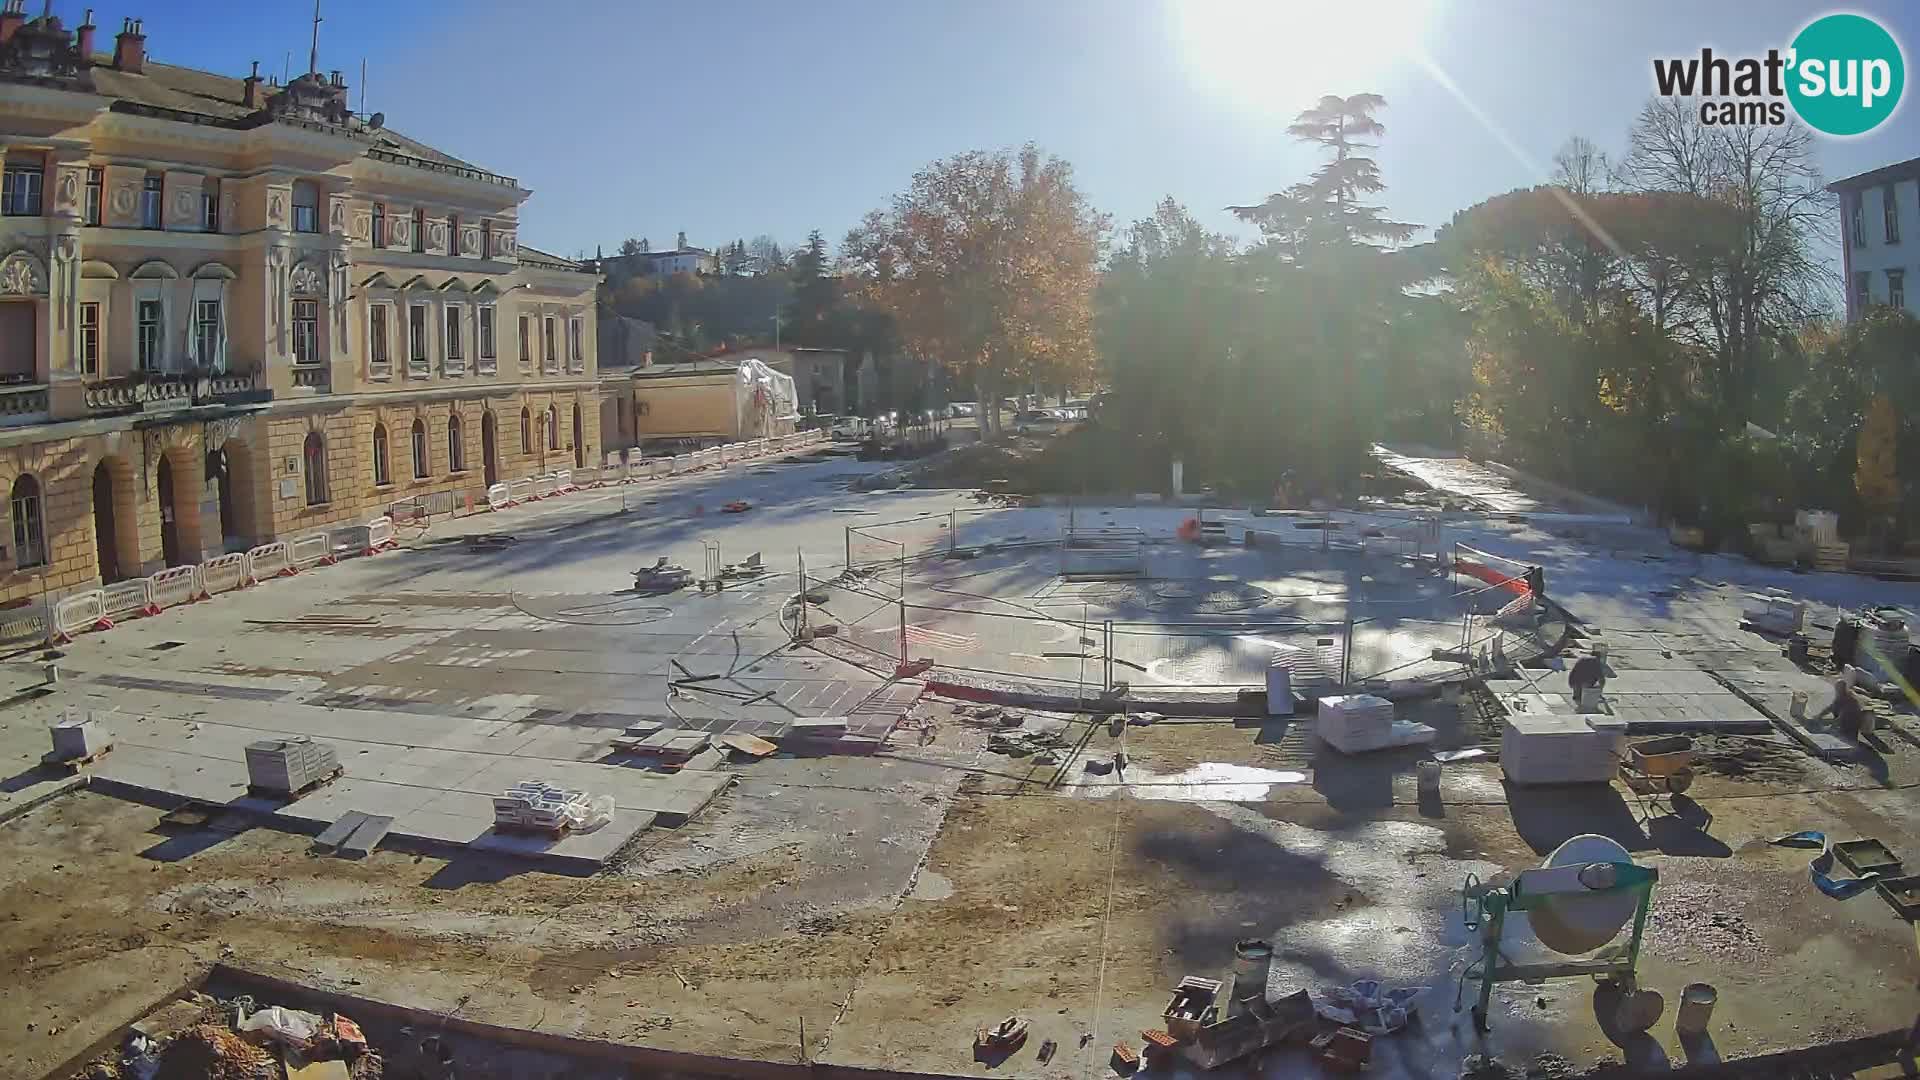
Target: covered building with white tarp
711 401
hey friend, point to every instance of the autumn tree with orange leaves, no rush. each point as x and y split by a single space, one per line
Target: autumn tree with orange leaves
988 262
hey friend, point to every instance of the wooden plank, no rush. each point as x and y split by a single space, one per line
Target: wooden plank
750 745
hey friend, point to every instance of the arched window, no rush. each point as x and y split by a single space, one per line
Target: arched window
29 529
420 462
316 455
526 431
380 475
456 451
553 427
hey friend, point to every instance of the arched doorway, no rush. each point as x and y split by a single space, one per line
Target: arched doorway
106 530
489 450
579 439
179 485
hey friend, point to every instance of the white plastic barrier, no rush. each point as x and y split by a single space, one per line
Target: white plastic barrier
544 486
121 599
223 573
381 535
310 550
73 614
25 623
349 541
563 481
174 586
677 463
497 497
268 560
519 491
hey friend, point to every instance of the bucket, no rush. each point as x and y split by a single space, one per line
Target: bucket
1799 708
1427 777
1696 1009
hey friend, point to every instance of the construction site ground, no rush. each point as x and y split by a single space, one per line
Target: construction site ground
887 904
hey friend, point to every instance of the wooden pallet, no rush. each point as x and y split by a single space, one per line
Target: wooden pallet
272 793
554 832
74 764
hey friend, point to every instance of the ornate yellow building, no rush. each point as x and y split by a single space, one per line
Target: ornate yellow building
233 311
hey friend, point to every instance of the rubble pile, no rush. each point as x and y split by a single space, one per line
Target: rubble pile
202 1038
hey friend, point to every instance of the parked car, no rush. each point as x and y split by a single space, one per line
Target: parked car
963 408
849 427
1035 419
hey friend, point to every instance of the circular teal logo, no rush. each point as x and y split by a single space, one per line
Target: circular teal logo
1847 74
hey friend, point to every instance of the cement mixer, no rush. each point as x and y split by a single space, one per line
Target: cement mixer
1576 904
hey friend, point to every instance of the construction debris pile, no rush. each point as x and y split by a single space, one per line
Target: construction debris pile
201 1038
535 804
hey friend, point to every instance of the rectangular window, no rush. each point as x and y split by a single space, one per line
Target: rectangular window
210 204
90 339
206 333
417 339
485 331
379 360
419 229
20 192
29 533
1862 292
576 353
486 239
306 208
526 343
306 331
1857 219
379 225
421 466
147 337
150 193
550 359
456 358
1897 288
1891 209
96 185
453 234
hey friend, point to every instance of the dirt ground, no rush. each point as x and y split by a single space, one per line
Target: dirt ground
893 904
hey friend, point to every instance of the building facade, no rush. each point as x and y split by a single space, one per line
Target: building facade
233 311
1878 210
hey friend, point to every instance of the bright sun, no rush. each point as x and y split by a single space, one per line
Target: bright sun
1280 56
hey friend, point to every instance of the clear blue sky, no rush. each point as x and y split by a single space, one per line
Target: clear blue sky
728 119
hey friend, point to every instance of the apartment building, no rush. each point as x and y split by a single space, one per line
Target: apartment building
1877 210
233 311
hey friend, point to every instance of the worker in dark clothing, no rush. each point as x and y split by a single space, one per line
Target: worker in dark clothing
1589 673
1537 582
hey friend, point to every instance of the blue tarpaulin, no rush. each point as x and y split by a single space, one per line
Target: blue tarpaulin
1818 869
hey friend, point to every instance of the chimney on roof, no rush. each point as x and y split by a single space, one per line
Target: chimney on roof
83 39
130 48
12 17
250 88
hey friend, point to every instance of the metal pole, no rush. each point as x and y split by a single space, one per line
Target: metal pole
953 528
903 629
1106 673
800 622
849 547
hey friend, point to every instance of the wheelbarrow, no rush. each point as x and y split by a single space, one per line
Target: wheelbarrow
1652 768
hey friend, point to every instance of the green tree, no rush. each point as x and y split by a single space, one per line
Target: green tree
1327 207
1875 476
809 316
633 245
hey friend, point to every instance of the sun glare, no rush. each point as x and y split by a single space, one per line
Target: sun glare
1280 56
